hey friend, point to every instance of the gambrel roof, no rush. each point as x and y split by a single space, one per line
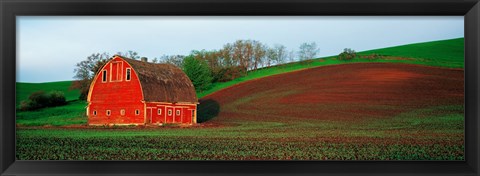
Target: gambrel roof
163 82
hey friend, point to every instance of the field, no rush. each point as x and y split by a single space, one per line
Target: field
443 53
412 110
25 89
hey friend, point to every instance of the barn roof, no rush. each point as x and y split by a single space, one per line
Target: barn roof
163 82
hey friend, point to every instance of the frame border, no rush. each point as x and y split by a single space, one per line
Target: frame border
9 9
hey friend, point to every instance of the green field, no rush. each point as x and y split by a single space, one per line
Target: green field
23 90
428 133
393 139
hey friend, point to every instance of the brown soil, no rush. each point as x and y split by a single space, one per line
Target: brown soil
339 92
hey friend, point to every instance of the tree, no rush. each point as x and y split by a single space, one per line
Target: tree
347 54
291 56
130 54
176 60
277 54
226 56
198 72
214 61
155 60
271 55
86 70
308 51
242 53
258 54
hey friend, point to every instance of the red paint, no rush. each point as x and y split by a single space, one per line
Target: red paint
118 94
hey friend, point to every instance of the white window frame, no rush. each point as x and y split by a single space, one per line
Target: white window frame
94 112
122 112
109 112
170 112
119 71
104 75
178 112
159 111
137 112
128 74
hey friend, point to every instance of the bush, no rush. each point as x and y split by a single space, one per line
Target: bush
56 98
347 54
372 56
229 73
40 99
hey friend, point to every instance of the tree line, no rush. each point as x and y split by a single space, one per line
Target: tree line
205 67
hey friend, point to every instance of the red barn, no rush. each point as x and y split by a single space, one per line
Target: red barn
131 92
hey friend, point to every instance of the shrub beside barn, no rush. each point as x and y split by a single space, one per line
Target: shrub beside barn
132 92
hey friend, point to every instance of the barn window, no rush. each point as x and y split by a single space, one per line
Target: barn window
95 113
178 112
122 112
137 112
169 112
104 76
159 112
128 74
109 112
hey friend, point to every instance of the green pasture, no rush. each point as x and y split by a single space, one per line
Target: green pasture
433 136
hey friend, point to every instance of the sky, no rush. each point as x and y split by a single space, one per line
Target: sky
48 47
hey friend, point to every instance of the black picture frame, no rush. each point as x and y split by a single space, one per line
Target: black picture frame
9 9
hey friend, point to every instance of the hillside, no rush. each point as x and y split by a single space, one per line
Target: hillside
442 53
349 92
25 89
72 113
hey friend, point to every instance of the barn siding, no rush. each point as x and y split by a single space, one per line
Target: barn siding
117 94
185 116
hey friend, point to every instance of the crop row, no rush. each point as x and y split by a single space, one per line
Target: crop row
193 148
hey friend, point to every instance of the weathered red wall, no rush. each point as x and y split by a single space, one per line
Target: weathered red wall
118 93
185 116
115 96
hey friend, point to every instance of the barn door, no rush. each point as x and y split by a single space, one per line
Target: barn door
169 114
149 115
178 115
161 114
154 115
116 71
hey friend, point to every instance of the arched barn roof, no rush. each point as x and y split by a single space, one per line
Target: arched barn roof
163 82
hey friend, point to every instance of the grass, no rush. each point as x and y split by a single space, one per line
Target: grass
444 53
23 90
70 114
373 139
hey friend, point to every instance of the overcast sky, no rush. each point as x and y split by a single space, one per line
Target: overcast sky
49 47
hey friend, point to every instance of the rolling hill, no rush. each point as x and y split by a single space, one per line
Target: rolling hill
349 92
444 53
25 89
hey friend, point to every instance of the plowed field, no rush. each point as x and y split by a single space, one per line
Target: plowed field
348 92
